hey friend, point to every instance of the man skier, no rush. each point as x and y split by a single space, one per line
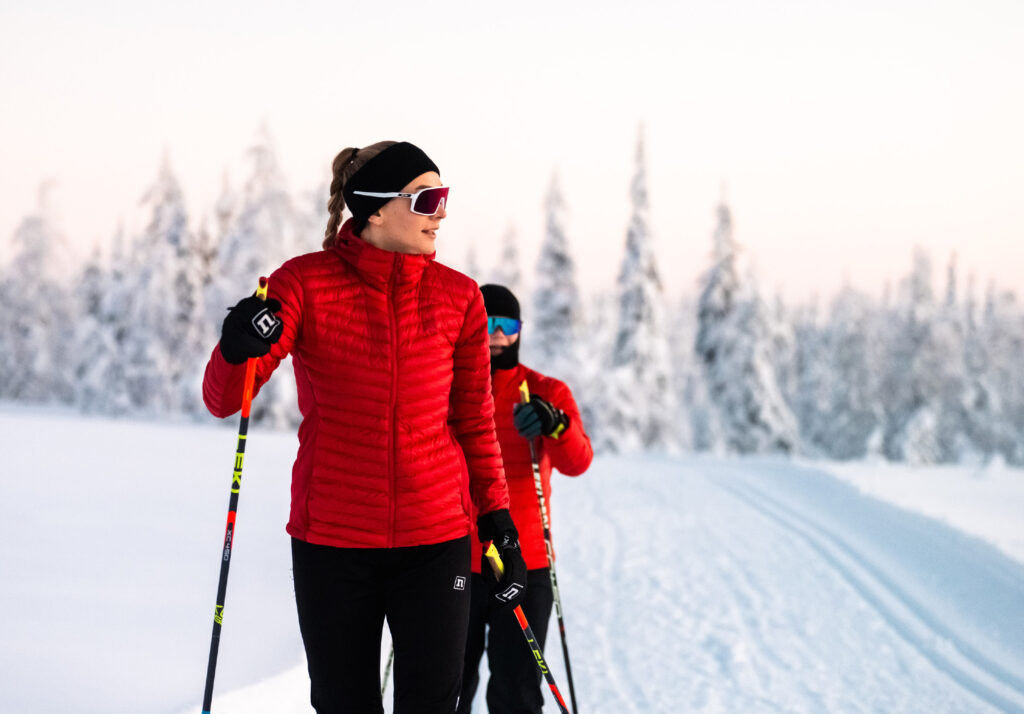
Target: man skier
551 420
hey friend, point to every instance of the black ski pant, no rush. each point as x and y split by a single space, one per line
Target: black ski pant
343 596
514 684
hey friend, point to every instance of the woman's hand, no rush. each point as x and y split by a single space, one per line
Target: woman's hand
250 328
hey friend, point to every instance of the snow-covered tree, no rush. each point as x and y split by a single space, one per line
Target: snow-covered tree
473 264
507 271
835 399
994 397
735 343
159 298
35 321
923 380
555 320
94 341
262 229
695 417
640 410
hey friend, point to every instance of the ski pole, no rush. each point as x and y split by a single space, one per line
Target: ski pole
498 567
387 671
229 531
524 393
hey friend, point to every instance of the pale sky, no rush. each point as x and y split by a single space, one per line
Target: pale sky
843 133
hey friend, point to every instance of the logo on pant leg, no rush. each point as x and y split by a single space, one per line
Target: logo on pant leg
460 582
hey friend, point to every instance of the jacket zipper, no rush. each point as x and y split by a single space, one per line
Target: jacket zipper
393 450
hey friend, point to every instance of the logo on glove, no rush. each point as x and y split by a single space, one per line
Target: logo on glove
510 593
265 322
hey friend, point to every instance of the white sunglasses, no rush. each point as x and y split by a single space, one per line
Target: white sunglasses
425 202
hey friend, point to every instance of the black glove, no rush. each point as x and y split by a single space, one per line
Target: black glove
497 527
250 328
539 416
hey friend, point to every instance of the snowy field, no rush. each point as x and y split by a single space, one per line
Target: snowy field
690 584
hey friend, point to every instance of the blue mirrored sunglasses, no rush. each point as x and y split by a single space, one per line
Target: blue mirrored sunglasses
508 325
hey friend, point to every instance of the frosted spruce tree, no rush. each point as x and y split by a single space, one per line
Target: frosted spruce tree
923 373
507 271
161 293
37 315
734 343
835 395
472 267
950 374
697 420
261 229
555 320
98 333
640 409
981 402
995 394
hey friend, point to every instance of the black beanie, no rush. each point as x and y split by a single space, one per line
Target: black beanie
388 172
500 302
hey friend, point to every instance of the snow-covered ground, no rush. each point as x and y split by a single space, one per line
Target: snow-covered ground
690 584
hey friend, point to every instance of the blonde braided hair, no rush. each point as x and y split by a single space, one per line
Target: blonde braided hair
345 164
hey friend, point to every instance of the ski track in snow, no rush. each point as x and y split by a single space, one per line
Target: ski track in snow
624 684
709 609
696 584
949 653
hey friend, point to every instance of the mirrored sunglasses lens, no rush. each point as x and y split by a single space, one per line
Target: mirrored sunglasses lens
429 200
506 324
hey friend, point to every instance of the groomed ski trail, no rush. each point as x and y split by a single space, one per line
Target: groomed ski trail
940 643
701 585
718 586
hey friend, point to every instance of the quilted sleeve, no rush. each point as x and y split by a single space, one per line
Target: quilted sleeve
571 453
223 381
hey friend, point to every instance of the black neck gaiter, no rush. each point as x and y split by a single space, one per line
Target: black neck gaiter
508 358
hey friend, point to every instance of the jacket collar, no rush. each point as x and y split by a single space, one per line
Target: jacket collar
508 379
378 268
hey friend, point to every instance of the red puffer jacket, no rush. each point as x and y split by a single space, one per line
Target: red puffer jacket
571 454
393 375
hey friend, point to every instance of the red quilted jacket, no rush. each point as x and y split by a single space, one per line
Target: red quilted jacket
393 375
571 454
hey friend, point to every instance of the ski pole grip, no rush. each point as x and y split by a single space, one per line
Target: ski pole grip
495 560
524 393
250 364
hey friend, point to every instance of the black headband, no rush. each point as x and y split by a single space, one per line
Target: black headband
388 172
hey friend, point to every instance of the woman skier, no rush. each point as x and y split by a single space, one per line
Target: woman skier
390 354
